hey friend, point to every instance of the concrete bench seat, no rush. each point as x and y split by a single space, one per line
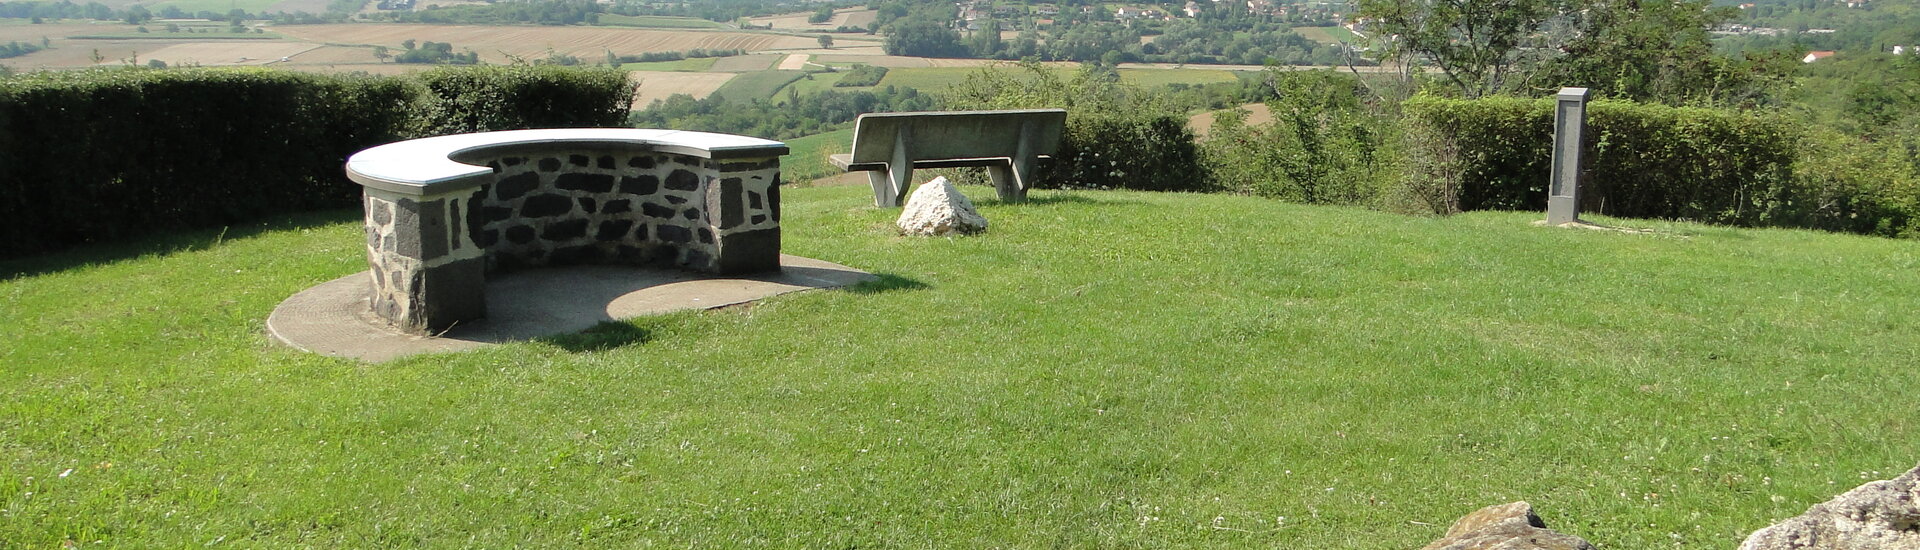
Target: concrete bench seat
444 212
889 146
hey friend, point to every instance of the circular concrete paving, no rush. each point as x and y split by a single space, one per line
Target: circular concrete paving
334 318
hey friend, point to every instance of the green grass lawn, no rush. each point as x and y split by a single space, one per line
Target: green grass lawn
1100 369
757 85
657 22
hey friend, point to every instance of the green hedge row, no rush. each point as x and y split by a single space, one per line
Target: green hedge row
100 155
1655 161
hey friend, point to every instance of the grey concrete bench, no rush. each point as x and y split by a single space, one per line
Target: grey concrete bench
888 146
442 213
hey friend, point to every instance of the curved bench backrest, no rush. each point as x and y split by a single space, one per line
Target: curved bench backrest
443 212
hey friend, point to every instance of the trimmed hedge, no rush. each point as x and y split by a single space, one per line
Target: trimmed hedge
100 155
481 99
1652 161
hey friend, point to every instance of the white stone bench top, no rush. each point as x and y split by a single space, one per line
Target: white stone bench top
425 166
934 135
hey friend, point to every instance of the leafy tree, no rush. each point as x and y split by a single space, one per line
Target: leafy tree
1479 46
920 38
826 41
822 15
380 53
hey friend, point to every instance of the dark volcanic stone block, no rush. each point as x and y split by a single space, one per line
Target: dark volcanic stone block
486 237
676 199
549 164
577 160
406 228
753 200
433 231
691 214
643 162
589 205
591 183
731 211
451 294
516 186
749 252
379 212
683 180
565 230
640 234
621 206
759 218
513 161
698 259
520 234
643 185
541 206
496 213
604 162
613 230
706 235
656 211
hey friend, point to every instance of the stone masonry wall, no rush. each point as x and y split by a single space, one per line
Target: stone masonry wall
567 207
430 255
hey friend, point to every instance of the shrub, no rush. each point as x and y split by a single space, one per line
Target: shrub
863 75
103 154
1117 137
1643 160
1330 142
478 99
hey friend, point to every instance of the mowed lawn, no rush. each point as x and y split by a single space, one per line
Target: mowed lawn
1099 370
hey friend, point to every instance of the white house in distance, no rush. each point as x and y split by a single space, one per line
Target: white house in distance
1816 56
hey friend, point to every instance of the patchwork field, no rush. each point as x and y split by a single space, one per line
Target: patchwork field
745 63
493 43
844 17
658 85
657 22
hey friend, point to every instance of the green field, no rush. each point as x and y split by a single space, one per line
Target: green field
757 85
657 22
1098 370
163 35
807 156
1326 35
689 65
216 6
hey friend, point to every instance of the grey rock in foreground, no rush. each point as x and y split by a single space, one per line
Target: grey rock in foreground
1881 515
1510 526
937 208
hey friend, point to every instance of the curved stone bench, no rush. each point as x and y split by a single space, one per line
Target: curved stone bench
444 212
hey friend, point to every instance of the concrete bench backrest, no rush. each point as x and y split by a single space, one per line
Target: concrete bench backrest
956 134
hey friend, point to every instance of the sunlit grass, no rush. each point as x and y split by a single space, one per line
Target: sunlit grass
1100 369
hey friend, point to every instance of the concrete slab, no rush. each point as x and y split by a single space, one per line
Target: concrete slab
334 318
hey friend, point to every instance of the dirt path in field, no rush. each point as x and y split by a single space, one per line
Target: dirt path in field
1257 113
795 62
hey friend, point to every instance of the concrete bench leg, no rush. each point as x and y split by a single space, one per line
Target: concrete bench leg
890 189
1012 181
1007 184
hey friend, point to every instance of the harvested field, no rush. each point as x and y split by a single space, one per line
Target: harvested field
659 85
899 62
494 43
228 53
75 54
744 63
334 55
795 62
1257 114
844 17
55 32
295 6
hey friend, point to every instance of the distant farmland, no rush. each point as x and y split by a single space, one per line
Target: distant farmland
496 43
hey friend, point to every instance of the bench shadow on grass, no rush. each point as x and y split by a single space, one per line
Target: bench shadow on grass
887 282
166 243
601 337
1067 197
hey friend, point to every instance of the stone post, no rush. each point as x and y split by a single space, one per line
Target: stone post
427 274
1569 122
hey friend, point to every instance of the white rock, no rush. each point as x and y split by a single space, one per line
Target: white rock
1881 515
937 208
